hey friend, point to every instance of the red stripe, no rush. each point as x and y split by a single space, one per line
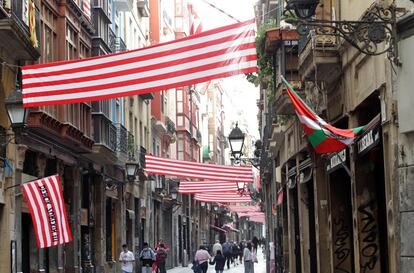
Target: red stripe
150 56
64 209
33 216
186 175
142 91
202 34
54 196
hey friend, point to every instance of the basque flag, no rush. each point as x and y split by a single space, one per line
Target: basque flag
47 207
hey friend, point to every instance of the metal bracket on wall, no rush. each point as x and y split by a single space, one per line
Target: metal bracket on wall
377 27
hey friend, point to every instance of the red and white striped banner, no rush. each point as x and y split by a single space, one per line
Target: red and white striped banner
258 219
213 54
224 197
47 208
250 214
186 169
86 7
244 208
190 187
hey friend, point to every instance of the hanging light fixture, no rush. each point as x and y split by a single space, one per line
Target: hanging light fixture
303 9
131 170
17 114
236 139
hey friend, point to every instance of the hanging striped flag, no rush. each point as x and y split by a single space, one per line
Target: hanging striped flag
217 53
224 197
186 169
86 7
47 208
238 209
250 214
323 137
190 187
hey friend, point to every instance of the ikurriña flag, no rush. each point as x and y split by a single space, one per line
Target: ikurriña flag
323 137
47 208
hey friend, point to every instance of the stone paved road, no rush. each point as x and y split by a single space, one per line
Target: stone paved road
259 267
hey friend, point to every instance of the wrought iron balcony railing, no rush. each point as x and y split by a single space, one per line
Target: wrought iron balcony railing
122 139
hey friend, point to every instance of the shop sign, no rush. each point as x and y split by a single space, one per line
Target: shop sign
336 161
369 140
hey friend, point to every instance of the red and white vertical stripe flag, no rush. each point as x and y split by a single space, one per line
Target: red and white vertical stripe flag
47 207
86 7
212 54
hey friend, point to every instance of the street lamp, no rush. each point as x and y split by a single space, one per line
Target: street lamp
236 139
17 114
304 9
376 26
174 194
131 170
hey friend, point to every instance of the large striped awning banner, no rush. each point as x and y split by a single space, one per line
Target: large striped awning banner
250 214
187 169
223 197
47 208
212 54
190 187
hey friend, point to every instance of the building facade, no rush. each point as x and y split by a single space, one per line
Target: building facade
336 213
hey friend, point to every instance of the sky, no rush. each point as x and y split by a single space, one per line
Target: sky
242 94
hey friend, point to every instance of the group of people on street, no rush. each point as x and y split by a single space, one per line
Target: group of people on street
151 260
226 254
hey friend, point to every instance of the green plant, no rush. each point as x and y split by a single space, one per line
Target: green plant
264 76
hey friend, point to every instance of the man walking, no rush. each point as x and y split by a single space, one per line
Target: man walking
127 259
217 246
147 257
228 252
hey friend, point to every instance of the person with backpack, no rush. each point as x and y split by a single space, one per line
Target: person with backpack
228 253
147 257
161 256
219 260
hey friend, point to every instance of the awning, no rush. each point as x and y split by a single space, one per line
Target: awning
218 228
223 197
244 208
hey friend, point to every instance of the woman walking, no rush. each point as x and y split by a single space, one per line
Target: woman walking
219 260
202 257
248 258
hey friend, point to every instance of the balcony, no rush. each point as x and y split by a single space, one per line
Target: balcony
282 105
277 37
116 44
124 5
14 31
121 143
319 54
143 8
105 137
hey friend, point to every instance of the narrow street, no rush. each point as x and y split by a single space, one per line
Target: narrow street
259 267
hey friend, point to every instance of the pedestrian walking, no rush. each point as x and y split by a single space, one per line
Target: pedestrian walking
248 258
157 246
272 257
127 259
147 257
235 251
242 245
255 244
161 256
219 261
228 252
217 246
202 257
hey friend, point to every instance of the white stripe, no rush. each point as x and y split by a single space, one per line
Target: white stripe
309 122
141 52
56 210
164 59
197 75
56 201
62 210
36 215
45 219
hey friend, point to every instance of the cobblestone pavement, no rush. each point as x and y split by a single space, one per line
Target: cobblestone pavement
259 267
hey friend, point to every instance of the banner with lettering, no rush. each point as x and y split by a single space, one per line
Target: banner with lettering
47 208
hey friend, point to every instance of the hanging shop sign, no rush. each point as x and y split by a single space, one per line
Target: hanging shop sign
369 140
305 171
291 179
336 160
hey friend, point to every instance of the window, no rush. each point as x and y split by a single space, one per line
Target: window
180 121
141 139
180 147
71 41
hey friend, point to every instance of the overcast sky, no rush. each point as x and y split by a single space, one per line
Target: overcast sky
243 95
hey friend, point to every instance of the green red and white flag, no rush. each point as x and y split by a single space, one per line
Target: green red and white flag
323 137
